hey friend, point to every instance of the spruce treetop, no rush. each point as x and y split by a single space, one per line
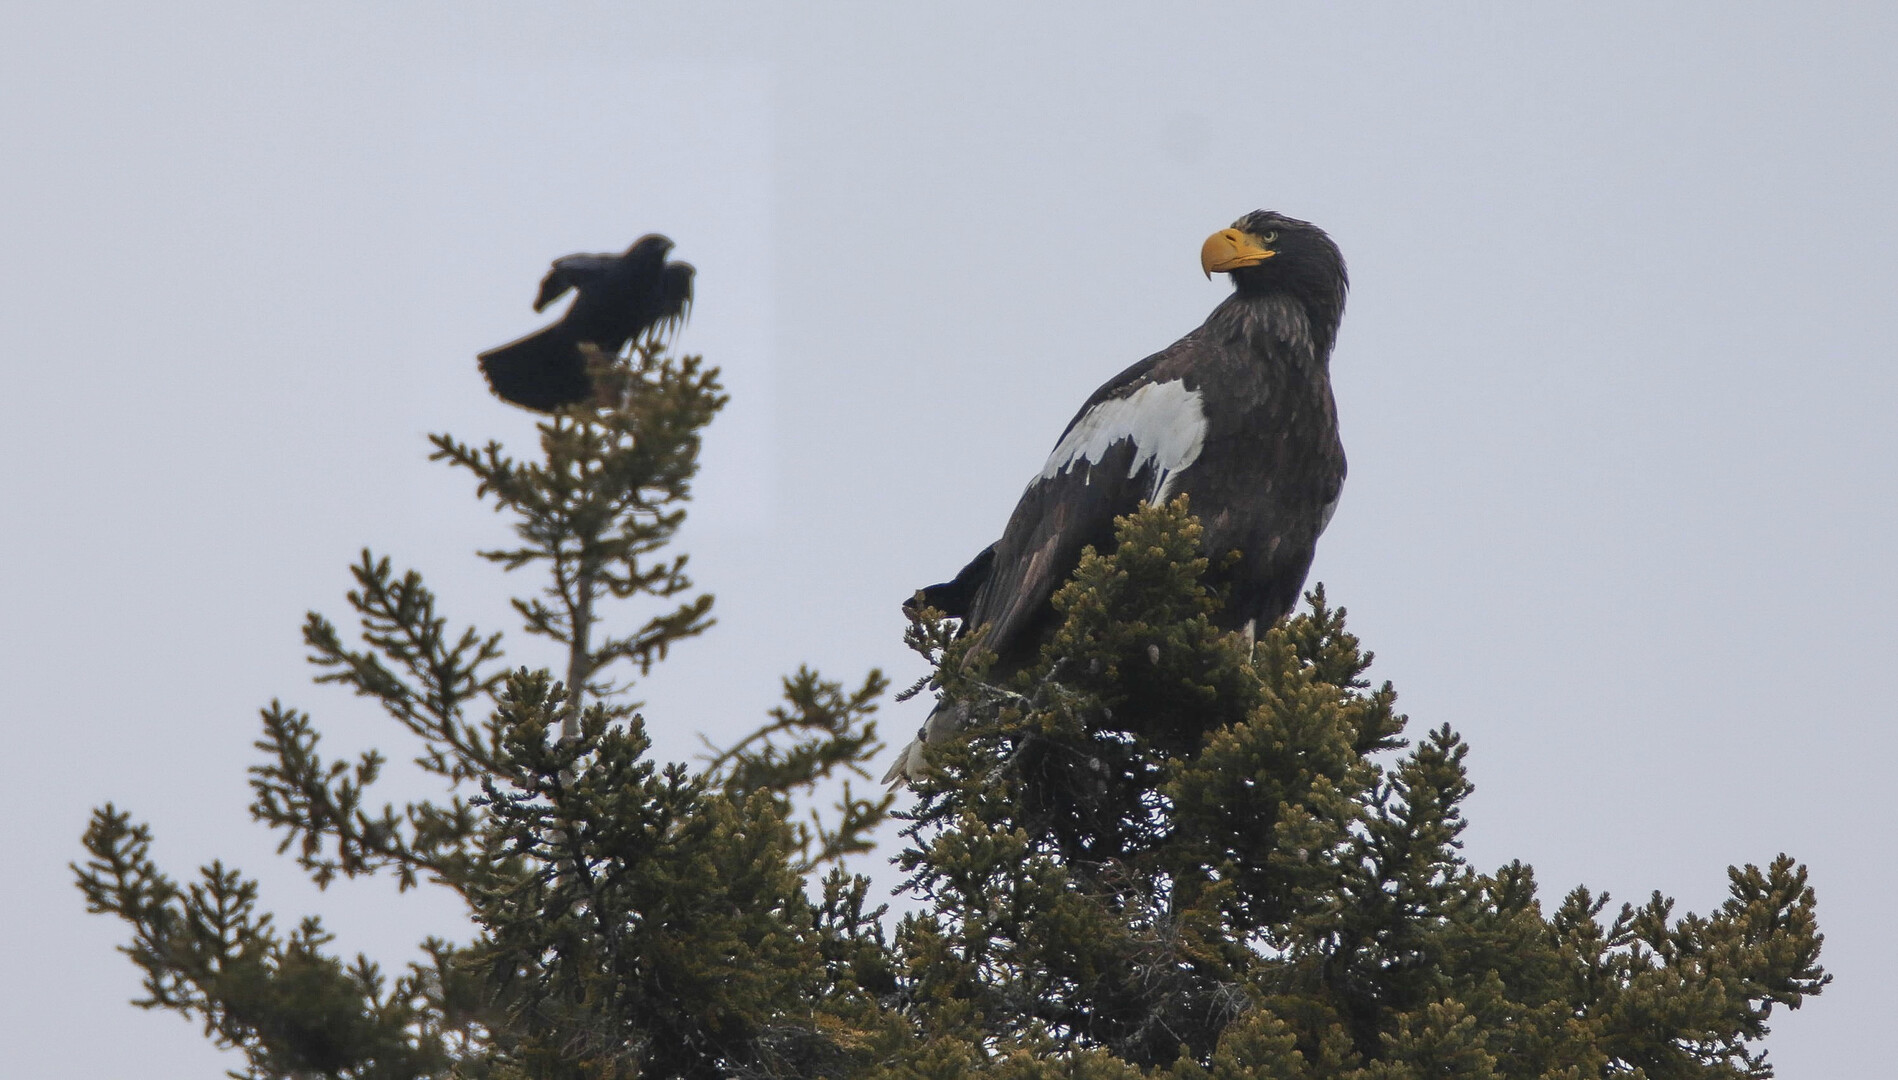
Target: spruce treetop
1159 850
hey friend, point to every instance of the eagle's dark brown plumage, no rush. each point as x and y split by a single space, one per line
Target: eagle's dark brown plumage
1237 415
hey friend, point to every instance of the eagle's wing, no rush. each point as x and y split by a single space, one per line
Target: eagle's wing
1126 445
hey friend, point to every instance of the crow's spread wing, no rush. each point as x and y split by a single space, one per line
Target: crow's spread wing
675 296
573 272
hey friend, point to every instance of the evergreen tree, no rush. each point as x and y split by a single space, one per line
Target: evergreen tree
1166 851
631 919
1163 851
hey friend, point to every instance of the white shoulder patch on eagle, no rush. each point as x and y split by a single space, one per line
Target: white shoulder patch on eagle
1165 422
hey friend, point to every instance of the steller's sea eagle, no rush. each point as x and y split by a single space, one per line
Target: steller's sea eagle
1237 415
617 298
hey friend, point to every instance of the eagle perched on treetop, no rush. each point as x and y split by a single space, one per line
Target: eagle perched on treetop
1237 415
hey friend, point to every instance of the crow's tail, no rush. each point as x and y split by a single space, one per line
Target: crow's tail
541 371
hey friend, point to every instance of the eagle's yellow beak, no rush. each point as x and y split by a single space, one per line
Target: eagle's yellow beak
1229 249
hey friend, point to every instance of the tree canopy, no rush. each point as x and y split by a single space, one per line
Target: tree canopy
1161 851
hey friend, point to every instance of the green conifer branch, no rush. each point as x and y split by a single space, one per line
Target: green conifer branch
400 626
206 951
1197 860
633 877
834 734
604 497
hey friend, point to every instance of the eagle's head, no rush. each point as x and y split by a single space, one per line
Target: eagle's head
1267 252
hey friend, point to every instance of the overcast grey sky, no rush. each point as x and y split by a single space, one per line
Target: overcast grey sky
1616 382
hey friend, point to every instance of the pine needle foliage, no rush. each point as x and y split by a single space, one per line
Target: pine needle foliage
626 919
1163 851
1168 851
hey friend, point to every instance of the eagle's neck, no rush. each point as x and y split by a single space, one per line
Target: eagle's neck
1278 324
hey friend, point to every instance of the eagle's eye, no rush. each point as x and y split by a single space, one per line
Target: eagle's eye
1271 236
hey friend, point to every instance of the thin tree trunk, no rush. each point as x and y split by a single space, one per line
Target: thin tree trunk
579 666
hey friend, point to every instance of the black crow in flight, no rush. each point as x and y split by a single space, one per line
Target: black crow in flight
617 298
